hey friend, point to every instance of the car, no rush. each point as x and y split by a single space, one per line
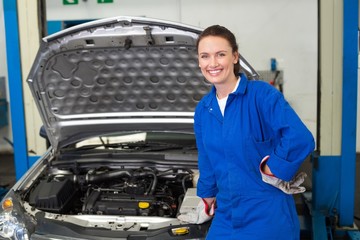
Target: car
117 98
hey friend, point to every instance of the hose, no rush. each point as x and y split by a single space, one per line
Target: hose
107 175
154 183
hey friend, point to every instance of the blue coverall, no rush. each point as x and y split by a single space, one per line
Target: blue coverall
258 121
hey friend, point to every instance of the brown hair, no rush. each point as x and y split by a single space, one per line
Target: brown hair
220 31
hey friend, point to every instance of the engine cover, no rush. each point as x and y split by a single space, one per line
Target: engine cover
112 203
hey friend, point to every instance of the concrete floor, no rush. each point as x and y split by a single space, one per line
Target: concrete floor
7 179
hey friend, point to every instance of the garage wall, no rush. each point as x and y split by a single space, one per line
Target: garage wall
265 29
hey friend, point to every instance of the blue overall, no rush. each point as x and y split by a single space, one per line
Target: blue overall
257 122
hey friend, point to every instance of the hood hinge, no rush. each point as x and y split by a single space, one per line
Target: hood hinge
150 40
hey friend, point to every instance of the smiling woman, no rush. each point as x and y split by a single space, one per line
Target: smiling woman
117 99
250 145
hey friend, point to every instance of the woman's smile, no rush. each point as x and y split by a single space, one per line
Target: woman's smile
216 60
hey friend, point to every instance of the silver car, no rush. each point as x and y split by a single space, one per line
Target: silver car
117 98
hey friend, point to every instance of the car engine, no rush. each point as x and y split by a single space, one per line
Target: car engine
106 191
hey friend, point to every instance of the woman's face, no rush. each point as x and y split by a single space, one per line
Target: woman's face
216 59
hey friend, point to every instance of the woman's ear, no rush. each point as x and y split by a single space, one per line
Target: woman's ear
236 57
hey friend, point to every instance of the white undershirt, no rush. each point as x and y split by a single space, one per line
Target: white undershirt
222 102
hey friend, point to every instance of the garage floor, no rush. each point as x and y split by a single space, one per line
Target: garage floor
7 179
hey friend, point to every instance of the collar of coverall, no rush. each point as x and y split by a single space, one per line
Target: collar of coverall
239 91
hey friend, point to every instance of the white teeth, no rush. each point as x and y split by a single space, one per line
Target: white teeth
214 71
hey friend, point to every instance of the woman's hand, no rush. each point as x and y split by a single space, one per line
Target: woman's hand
204 212
291 187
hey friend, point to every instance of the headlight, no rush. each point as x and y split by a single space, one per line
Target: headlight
14 223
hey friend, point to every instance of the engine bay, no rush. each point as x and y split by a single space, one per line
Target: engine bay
139 191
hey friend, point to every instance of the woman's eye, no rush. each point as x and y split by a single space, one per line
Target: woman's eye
203 56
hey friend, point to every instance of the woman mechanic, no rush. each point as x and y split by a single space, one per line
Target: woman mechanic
251 144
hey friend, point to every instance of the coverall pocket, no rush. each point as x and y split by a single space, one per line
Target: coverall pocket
258 212
256 151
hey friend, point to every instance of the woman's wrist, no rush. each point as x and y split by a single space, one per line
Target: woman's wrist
209 201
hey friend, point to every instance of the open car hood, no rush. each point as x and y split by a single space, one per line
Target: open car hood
117 74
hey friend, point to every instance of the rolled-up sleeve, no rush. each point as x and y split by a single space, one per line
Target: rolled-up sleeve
296 141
